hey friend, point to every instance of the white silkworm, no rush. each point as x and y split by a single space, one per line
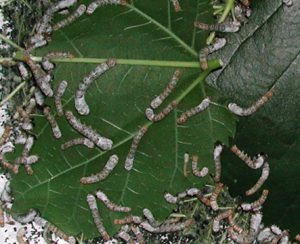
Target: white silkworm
176 5
138 234
36 45
234 108
101 142
213 199
14 168
123 234
166 228
199 173
170 198
27 147
2 221
193 111
30 106
39 97
256 205
276 230
221 216
146 226
135 142
111 206
6 193
223 27
150 218
91 200
288 2
264 176
217 159
255 222
128 220
53 124
47 65
20 236
256 163
193 191
78 141
161 115
103 174
57 97
20 139
186 158
98 3
23 71
80 103
26 218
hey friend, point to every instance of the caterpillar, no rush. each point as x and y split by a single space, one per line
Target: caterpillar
234 108
138 234
54 126
166 228
193 192
36 45
71 18
80 103
172 199
111 206
176 5
199 173
27 147
5 134
161 115
204 52
109 166
30 106
91 200
26 218
20 236
2 220
213 199
150 218
204 200
78 141
256 205
47 65
223 27
128 220
218 218
6 193
235 227
23 71
264 176
20 139
24 117
288 2
240 13
123 234
27 160
255 222
101 142
57 97
39 97
13 168
217 159
254 164
186 158
98 3
135 142
193 111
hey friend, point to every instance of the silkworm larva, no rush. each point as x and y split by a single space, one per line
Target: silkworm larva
26 218
54 126
30 106
91 200
5 135
123 234
256 163
276 230
170 198
161 115
23 71
39 97
111 206
28 169
221 216
80 103
193 111
128 220
264 176
235 227
13 168
27 147
47 65
199 173
20 236
98 3
71 18
193 192
166 228
204 200
217 159
234 108
78 141
255 222
101 142
146 226
109 166
135 142
213 199
204 52
186 158
2 222
256 205
149 216
156 102
176 5
223 27
57 97
138 234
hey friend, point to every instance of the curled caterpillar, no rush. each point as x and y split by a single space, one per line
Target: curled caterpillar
78 141
109 166
135 142
213 199
234 108
101 142
2 220
264 176
91 200
150 218
256 205
221 216
20 236
47 65
256 163
176 5
186 158
54 126
80 103
128 220
217 159
98 3
111 206
24 118
57 97
71 18
199 173
26 218
161 115
193 111
223 27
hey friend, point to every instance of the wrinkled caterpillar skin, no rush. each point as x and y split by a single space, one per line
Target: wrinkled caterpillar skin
80 103
71 18
234 108
199 173
57 97
98 3
109 166
217 159
193 111
39 97
161 115
204 200
256 205
14 168
255 222
213 199
110 205
223 27
136 140
176 5
264 176
235 227
78 141
128 220
218 218
54 126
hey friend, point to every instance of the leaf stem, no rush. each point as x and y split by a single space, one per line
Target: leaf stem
8 97
4 38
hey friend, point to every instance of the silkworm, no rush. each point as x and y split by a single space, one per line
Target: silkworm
101 142
109 166
186 158
193 191
288 2
176 5
138 234
240 13
234 108
264 176
6 193
276 230
135 142
36 45
193 111
254 164
255 222
13 168
204 200
2 221
20 236
223 27
91 200
256 205
217 159
23 71
80 103
156 102
57 97
199 173
170 198
213 199
221 216
235 227
30 106
39 97
128 220
78 141
5 135
26 218
27 160
98 3
27 147
47 65
161 115
204 52
71 18
123 234
54 126
111 206
150 218
166 228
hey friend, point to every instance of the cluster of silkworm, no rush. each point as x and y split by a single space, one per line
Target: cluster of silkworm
98 3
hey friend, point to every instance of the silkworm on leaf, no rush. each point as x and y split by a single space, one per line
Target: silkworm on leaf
161 115
193 191
103 174
223 27
110 205
166 228
80 103
204 200
193 111
47 65
53 124
23 71
255 222
213 199
199 173
234 108
78 141
138 234
217 159
128 220
101 142
71 18
221 216
39 97
176 5
256 205
57 97
135 142
186 158
99 3
264 176
2 222
149 216
26 218
256 163
27 147
123 234
30 106
20 236
235 227
13 168
170 198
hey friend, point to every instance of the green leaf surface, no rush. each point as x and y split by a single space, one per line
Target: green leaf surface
147 30
264 56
